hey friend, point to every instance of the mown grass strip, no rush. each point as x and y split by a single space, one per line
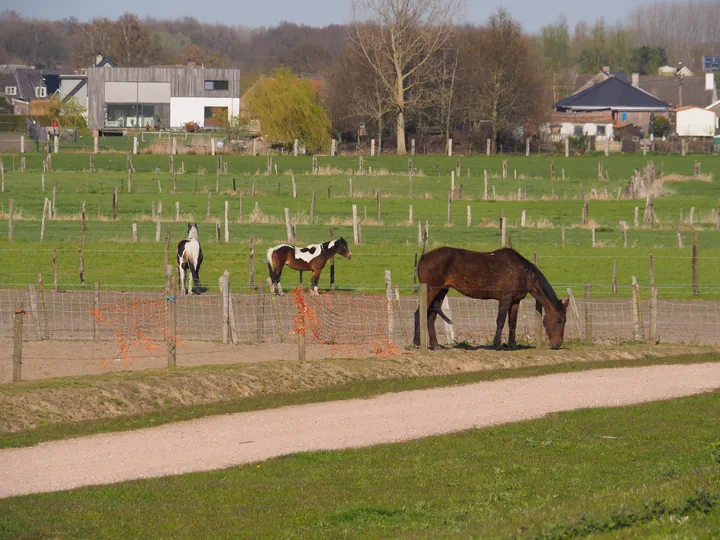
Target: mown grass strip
644 471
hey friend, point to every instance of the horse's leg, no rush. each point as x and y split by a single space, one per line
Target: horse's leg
276 281
512 324
194 279
502 314
315 280
181 278
433 307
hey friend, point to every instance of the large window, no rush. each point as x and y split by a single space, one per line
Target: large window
217 85
129 115
215 116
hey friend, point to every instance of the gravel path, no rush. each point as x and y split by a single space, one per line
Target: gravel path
229 440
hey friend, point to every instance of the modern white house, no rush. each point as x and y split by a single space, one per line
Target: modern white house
695 122
160 97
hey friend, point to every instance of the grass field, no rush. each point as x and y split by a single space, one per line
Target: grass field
644 471
112 259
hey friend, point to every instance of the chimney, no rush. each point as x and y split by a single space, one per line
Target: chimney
635 80
710 81
98 59
606 69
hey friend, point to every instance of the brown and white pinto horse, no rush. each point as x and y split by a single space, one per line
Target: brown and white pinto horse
503 275
312 257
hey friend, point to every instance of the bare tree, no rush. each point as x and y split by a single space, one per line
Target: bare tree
508 84
442 95
399 40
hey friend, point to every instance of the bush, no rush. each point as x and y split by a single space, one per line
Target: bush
16 122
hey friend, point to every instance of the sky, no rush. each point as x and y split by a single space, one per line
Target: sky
531 13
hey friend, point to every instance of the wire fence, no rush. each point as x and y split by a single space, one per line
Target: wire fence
76 332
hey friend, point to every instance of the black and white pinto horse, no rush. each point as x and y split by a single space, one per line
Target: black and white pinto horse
312 257
190 256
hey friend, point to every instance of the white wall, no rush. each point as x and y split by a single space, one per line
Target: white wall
192 109
695 122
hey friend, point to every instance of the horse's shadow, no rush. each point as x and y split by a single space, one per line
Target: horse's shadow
465 346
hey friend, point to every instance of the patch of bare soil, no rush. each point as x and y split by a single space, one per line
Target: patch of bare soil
26 406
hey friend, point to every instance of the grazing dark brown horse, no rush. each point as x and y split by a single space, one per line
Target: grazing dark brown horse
503 275
312 257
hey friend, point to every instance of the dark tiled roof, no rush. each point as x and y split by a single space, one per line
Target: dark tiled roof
612 93
27 81
667 89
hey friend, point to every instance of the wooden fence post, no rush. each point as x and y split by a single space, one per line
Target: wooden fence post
251 265
422 317
240 210
356 235
485 191
34 312
42 224
18 342
134 232
171 307
614 277
503 231
81 262
469 216
223 282
11 215
54 263
276 311
43 309
260 314
227 225
207 213
588 314
312 207
653 315
302 328
288 227
638 333
96 307
695 284
115 204
449 209
167 245
377 196
388 298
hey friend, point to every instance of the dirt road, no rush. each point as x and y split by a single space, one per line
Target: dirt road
224 441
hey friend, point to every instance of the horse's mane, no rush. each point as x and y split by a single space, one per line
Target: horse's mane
545 286
193 234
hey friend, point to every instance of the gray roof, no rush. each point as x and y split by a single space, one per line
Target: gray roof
667 89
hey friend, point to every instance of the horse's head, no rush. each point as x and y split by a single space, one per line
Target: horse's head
554 323
342 248
193 230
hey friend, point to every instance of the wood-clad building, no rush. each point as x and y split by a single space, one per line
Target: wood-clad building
160 97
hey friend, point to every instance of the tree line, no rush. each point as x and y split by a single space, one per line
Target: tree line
400 66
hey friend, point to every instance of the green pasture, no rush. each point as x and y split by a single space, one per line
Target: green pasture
646 471
116 262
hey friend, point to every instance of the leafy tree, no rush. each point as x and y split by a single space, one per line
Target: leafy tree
288 109
646 60
661 126
69 114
